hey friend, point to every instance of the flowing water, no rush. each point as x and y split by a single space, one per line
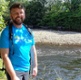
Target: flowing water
59 62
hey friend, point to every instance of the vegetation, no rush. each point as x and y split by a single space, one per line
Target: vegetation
54 14
2 73
3 9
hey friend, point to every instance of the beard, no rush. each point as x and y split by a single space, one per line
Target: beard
18 20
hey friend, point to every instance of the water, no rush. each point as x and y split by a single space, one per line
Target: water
59 62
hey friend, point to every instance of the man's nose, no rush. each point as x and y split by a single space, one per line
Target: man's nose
18 14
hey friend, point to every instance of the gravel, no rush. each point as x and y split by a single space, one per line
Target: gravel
57 37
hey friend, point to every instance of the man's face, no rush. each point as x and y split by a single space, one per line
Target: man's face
17 15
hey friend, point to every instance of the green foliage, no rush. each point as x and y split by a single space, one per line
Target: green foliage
2 73
3 8
75 4
52 14
35 12
65 15
21 1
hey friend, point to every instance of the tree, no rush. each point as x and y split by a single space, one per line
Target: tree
21 1
73 5
34 12
3 9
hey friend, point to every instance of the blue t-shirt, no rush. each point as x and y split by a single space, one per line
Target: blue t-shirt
19 52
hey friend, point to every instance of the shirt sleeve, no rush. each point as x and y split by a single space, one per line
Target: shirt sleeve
33 40
4 39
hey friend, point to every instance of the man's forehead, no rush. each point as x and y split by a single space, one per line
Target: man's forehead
17 9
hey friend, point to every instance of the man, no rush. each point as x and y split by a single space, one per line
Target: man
16 56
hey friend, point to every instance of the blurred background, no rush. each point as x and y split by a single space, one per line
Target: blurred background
46 14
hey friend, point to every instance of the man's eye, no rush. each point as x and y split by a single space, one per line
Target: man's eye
21 12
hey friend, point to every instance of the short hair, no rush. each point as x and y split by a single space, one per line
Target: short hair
17 5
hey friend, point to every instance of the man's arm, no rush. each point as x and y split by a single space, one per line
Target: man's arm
34 56
7 63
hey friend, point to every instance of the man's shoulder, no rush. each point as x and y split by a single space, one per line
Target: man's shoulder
5 30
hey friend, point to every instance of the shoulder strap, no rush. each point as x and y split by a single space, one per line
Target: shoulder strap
29 30
11 35
10 31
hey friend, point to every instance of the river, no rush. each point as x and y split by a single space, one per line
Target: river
58 62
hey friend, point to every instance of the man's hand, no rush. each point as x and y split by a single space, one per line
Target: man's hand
15 78
35 71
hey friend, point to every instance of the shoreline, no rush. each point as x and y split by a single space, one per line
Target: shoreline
52 37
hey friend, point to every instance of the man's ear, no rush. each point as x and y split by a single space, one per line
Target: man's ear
10 16
24 15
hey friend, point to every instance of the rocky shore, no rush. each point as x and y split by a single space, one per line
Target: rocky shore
57 37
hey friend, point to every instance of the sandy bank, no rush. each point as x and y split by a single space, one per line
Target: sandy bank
57 37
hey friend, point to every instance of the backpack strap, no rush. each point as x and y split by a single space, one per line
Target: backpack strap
11 34
10 31
29 30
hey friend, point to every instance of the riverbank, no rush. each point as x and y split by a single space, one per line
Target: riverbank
57 37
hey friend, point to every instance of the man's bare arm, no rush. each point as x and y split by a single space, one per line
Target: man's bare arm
7 63
34 56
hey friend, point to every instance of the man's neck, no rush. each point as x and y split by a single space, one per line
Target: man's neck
17 26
